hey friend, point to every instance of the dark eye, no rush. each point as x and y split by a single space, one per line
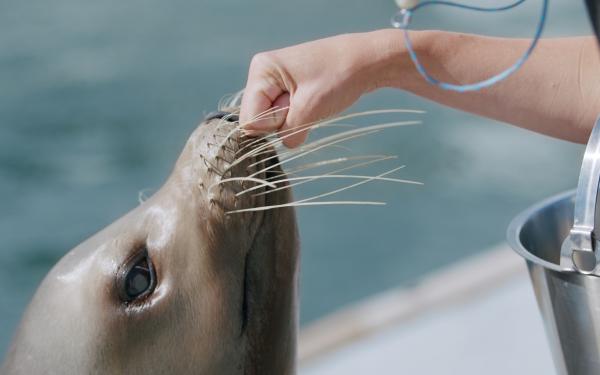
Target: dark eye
137 278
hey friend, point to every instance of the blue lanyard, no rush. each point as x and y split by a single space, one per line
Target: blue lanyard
401 20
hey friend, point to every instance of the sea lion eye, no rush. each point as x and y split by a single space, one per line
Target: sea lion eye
137 277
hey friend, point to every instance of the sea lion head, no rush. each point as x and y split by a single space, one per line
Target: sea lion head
179 285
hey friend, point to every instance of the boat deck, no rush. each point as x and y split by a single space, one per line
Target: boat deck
475 317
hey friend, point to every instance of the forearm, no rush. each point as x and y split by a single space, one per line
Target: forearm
556 92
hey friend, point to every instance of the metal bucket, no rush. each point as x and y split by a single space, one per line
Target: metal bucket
569 302
558 240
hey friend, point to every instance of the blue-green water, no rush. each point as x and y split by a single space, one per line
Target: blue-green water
97 99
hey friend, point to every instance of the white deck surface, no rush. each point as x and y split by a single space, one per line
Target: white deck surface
497 331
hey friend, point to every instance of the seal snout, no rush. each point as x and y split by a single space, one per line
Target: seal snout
234 169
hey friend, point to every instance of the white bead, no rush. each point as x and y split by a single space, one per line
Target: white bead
407 4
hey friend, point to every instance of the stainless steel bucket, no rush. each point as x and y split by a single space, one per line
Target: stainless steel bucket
557 239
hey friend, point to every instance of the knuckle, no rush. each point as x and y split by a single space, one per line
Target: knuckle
261 60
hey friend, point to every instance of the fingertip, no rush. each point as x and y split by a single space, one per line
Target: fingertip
259 96
269 116
280 109
252 105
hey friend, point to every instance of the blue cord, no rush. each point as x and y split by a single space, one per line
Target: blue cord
402 21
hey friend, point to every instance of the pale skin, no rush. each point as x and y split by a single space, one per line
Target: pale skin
556 92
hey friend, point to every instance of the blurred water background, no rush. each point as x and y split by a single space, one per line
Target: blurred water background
98 97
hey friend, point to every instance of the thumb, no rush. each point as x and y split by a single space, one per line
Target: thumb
294 133
257 112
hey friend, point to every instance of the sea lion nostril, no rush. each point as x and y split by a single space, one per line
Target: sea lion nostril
222 115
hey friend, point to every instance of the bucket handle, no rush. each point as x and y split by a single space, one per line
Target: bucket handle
579 249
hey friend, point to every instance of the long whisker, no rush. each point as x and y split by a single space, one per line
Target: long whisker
282 155
365 129
308 201
355 115
300 204
326 174
276 139
318 124
264 145
232 179
350 186
310 151
271 141
319 164
337 138
277 143
373 112
320 177
315 145
267 145
344 159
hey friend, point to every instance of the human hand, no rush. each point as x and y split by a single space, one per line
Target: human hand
312 81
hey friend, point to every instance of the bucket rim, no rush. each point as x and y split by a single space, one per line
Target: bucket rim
516 225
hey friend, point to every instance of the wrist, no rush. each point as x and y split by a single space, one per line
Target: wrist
393 66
